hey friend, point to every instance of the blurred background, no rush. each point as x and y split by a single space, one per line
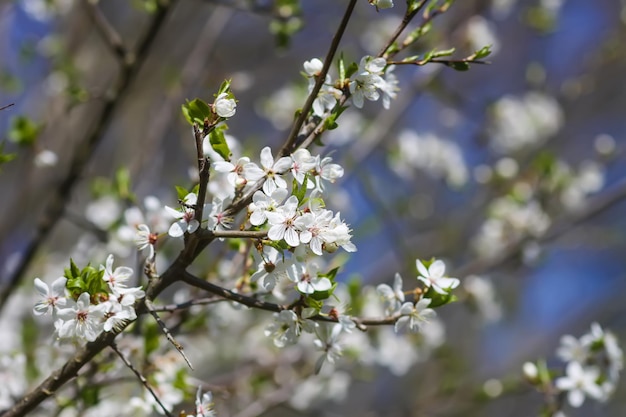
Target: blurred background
513 172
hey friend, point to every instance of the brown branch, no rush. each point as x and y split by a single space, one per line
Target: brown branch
275 308
61 195
288 147
446 62
405 22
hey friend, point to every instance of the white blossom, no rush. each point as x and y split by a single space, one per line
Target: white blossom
225 106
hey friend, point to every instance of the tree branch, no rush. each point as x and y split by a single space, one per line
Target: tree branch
61 195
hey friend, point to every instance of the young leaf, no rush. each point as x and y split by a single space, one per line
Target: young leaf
218 143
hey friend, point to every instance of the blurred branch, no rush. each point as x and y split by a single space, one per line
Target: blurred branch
267 401
107 31
7 106
61 195
594 206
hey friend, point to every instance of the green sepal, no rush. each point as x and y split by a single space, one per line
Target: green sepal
483 52
181 192
323 295
437 300
352 69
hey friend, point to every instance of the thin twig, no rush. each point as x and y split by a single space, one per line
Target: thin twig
7 106
446 62
141 378
276 308
405 22
166 332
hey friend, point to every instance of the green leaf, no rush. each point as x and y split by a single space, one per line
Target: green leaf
459 65
444 52
483 52
23 131
224 88
196 111
330 274
181 192
218 143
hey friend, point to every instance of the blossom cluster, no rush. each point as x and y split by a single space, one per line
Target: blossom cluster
594 362
285 216
85 315
412 315
372 77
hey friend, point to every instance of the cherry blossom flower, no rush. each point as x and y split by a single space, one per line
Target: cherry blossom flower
393 298
225 106
145 239
303 162
52 297
81 320
117 278
186 222
204 404
414 316
273 170
329 345
235 172
262 204
579 382
271 269
218 220
116 314
306 278
283 224
433 276
286 328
